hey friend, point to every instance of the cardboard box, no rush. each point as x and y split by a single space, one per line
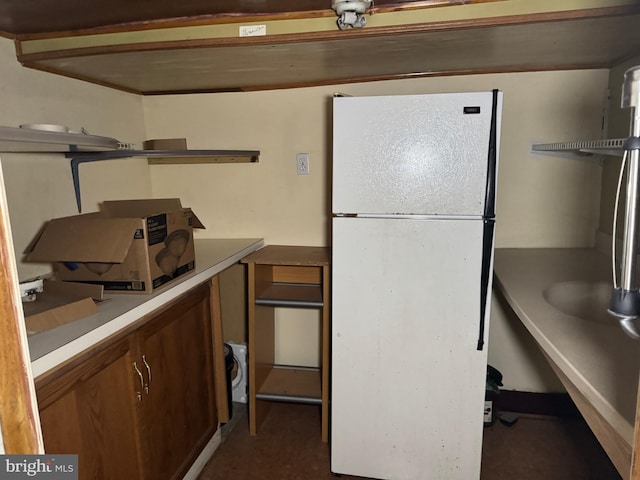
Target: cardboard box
130 246
165 144
60 303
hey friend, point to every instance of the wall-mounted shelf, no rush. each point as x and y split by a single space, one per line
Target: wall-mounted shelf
31 140
165 157
159 157
83 148
611 147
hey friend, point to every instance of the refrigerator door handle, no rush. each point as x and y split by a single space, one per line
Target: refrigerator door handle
485 275
492 161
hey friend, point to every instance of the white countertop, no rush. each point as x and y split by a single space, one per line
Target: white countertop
52 347
598 358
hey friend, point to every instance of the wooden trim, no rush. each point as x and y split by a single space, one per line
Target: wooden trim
219 368
616 447
400 76
634 473
342 81
326 350
195 21
471 23
202 160
227 18
261 353
379 78
19 419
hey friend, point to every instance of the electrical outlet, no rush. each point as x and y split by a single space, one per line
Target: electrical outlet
302 163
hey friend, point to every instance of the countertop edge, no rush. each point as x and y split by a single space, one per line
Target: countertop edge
86 341
573 372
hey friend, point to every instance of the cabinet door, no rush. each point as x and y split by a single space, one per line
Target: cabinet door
179 409
91 410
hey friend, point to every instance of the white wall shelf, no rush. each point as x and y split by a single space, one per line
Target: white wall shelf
83 148
611 147
30 140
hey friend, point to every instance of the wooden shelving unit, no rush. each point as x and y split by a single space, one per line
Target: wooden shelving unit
292 277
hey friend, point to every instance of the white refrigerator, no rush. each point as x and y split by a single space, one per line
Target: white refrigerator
413 202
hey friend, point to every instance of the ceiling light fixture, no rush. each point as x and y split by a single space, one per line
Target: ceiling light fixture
350 12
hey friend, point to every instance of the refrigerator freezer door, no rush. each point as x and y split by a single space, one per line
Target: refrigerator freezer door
413 154
407 379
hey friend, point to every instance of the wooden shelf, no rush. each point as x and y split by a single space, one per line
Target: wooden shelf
292 384
291 295
174 156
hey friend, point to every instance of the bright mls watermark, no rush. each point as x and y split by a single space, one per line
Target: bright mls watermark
51 467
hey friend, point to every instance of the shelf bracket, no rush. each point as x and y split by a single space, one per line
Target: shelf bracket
83 157
75 175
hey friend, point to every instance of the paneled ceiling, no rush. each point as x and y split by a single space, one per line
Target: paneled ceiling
159 47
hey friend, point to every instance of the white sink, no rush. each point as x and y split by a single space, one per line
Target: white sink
582 299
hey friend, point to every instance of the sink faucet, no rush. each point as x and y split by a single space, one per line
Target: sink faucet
625 298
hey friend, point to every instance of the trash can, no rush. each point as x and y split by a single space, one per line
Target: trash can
229 363
492 395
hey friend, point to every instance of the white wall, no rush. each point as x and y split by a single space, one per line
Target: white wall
39 186
542 201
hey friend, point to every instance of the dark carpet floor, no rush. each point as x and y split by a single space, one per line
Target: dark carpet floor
288 447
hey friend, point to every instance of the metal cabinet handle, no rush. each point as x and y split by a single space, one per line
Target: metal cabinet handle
146 387
135 367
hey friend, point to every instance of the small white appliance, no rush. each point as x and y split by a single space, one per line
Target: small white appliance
239 373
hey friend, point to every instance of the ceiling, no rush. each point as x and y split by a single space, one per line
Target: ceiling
137 47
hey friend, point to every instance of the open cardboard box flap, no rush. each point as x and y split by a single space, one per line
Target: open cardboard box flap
146 208
60 303
84 238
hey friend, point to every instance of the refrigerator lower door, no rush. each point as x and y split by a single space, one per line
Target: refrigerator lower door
408 381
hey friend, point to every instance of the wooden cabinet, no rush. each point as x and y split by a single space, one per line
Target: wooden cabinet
144 406
178 409
91 410
292 277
